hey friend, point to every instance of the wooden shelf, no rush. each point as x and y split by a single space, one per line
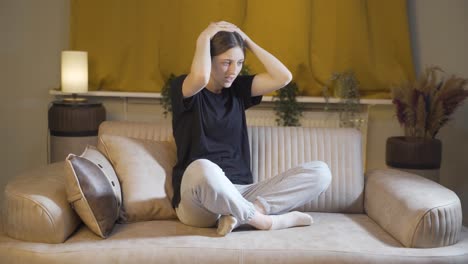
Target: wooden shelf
300 99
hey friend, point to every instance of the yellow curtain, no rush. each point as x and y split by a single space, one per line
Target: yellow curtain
370 37
136 45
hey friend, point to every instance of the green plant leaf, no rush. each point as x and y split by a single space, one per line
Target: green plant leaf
166 95
287 109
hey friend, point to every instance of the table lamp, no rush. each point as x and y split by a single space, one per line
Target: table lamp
74 74
73 121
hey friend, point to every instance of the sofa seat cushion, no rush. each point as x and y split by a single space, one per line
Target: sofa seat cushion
333 238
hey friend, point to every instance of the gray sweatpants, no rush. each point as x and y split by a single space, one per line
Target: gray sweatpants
206 192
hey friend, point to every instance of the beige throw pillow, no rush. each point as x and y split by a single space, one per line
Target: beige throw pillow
93 190
144 169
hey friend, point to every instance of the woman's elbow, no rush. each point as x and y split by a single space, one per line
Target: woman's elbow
193 84
286 78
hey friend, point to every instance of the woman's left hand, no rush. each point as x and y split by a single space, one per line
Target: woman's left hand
243 35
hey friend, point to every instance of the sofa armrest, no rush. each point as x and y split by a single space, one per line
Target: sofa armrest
36 208
416 211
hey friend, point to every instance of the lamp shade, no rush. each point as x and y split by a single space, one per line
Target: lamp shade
74 71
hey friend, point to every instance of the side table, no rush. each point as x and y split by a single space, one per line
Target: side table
72 126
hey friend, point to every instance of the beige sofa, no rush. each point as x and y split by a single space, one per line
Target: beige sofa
385 216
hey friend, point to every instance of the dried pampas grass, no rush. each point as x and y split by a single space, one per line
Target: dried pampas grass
425 105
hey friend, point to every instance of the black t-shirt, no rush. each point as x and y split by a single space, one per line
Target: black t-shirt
212 126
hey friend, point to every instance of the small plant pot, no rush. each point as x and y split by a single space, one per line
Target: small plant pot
413 153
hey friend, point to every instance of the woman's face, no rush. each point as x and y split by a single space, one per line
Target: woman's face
226 66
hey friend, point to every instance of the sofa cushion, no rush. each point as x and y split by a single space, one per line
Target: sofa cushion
277 149
332 238
35 206
93 190
415 210
144 168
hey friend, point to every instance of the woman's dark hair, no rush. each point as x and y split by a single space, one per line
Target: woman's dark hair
224 40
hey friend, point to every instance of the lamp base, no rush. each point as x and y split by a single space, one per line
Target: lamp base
74 100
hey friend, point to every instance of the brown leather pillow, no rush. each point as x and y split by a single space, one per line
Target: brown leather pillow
93 190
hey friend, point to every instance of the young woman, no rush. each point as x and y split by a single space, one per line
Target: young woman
212 179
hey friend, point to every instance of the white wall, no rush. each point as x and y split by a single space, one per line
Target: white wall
34 32
32 35
439 37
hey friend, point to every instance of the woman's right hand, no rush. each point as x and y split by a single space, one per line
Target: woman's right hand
215 27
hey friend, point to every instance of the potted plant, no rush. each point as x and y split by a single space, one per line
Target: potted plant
166 95
287 109
422 107
344 85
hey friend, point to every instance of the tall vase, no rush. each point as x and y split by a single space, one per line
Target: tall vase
415 154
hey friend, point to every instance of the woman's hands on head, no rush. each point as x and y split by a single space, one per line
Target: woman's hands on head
215 27
200 72
243 35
